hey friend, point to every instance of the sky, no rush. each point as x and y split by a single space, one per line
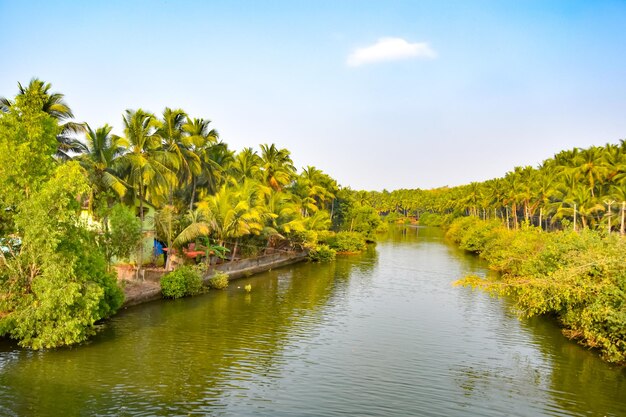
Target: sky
378 94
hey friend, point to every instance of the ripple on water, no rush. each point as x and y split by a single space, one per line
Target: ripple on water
382 334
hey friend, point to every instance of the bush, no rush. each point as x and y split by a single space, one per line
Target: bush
364 219
306 239
125 234
347 242
393 217
181 282
218 281
432 219
322 253
579 277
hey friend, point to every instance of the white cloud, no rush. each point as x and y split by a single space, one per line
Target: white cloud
390 49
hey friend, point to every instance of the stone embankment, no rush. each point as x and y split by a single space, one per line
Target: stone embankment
149 288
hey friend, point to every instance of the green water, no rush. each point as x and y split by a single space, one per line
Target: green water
379 334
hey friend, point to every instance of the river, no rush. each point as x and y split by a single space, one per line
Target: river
378 334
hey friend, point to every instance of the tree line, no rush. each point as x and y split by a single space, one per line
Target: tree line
584 188
56 279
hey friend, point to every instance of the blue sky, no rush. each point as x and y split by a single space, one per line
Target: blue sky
436 92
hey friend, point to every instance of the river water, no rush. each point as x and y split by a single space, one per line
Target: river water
379 334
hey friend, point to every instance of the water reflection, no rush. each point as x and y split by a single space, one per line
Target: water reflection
383 333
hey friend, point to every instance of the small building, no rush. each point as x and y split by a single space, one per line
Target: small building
148 229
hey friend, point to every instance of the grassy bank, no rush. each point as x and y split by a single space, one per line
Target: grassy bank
580 277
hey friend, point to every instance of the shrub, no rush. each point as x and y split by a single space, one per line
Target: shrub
181 282
579 277
382 228
364 219
346 242
432 219
125 232
393 217
218 281
306 238
322 253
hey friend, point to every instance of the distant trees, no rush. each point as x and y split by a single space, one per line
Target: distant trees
575 185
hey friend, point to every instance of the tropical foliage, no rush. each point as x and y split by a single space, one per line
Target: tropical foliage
581 188
578 276
55 282
182 282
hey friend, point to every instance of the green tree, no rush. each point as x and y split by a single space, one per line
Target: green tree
277 166
27 144
57 286
100 156
54 105
201 138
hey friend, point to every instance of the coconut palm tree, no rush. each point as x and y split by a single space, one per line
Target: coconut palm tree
277 166
178 147
234 212
100 156
145 161
246 164
200 137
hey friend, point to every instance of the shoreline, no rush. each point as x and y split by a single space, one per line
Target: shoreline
139 292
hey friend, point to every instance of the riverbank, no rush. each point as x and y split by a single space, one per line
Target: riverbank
149 289
579 277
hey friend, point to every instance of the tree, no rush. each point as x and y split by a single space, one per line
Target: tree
234 212
53 105
147 172
201 139
27 143
100 156
57 286
277 166
180 157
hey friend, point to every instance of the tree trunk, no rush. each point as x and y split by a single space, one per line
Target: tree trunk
609 215
508 225
621 227
234 250
540 217
140 251
193 193
574 216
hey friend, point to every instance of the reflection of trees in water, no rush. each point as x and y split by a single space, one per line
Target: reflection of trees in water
599 388
179 354
570 375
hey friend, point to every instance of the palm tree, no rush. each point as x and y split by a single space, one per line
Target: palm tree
100 156
277 166
216 160
246 164
234 212
592 166
200 138
145 163
578 203
148 173
317 187
178 147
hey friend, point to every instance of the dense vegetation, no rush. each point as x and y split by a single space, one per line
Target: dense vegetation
182 282
576 272
578 276
56 279
585 188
